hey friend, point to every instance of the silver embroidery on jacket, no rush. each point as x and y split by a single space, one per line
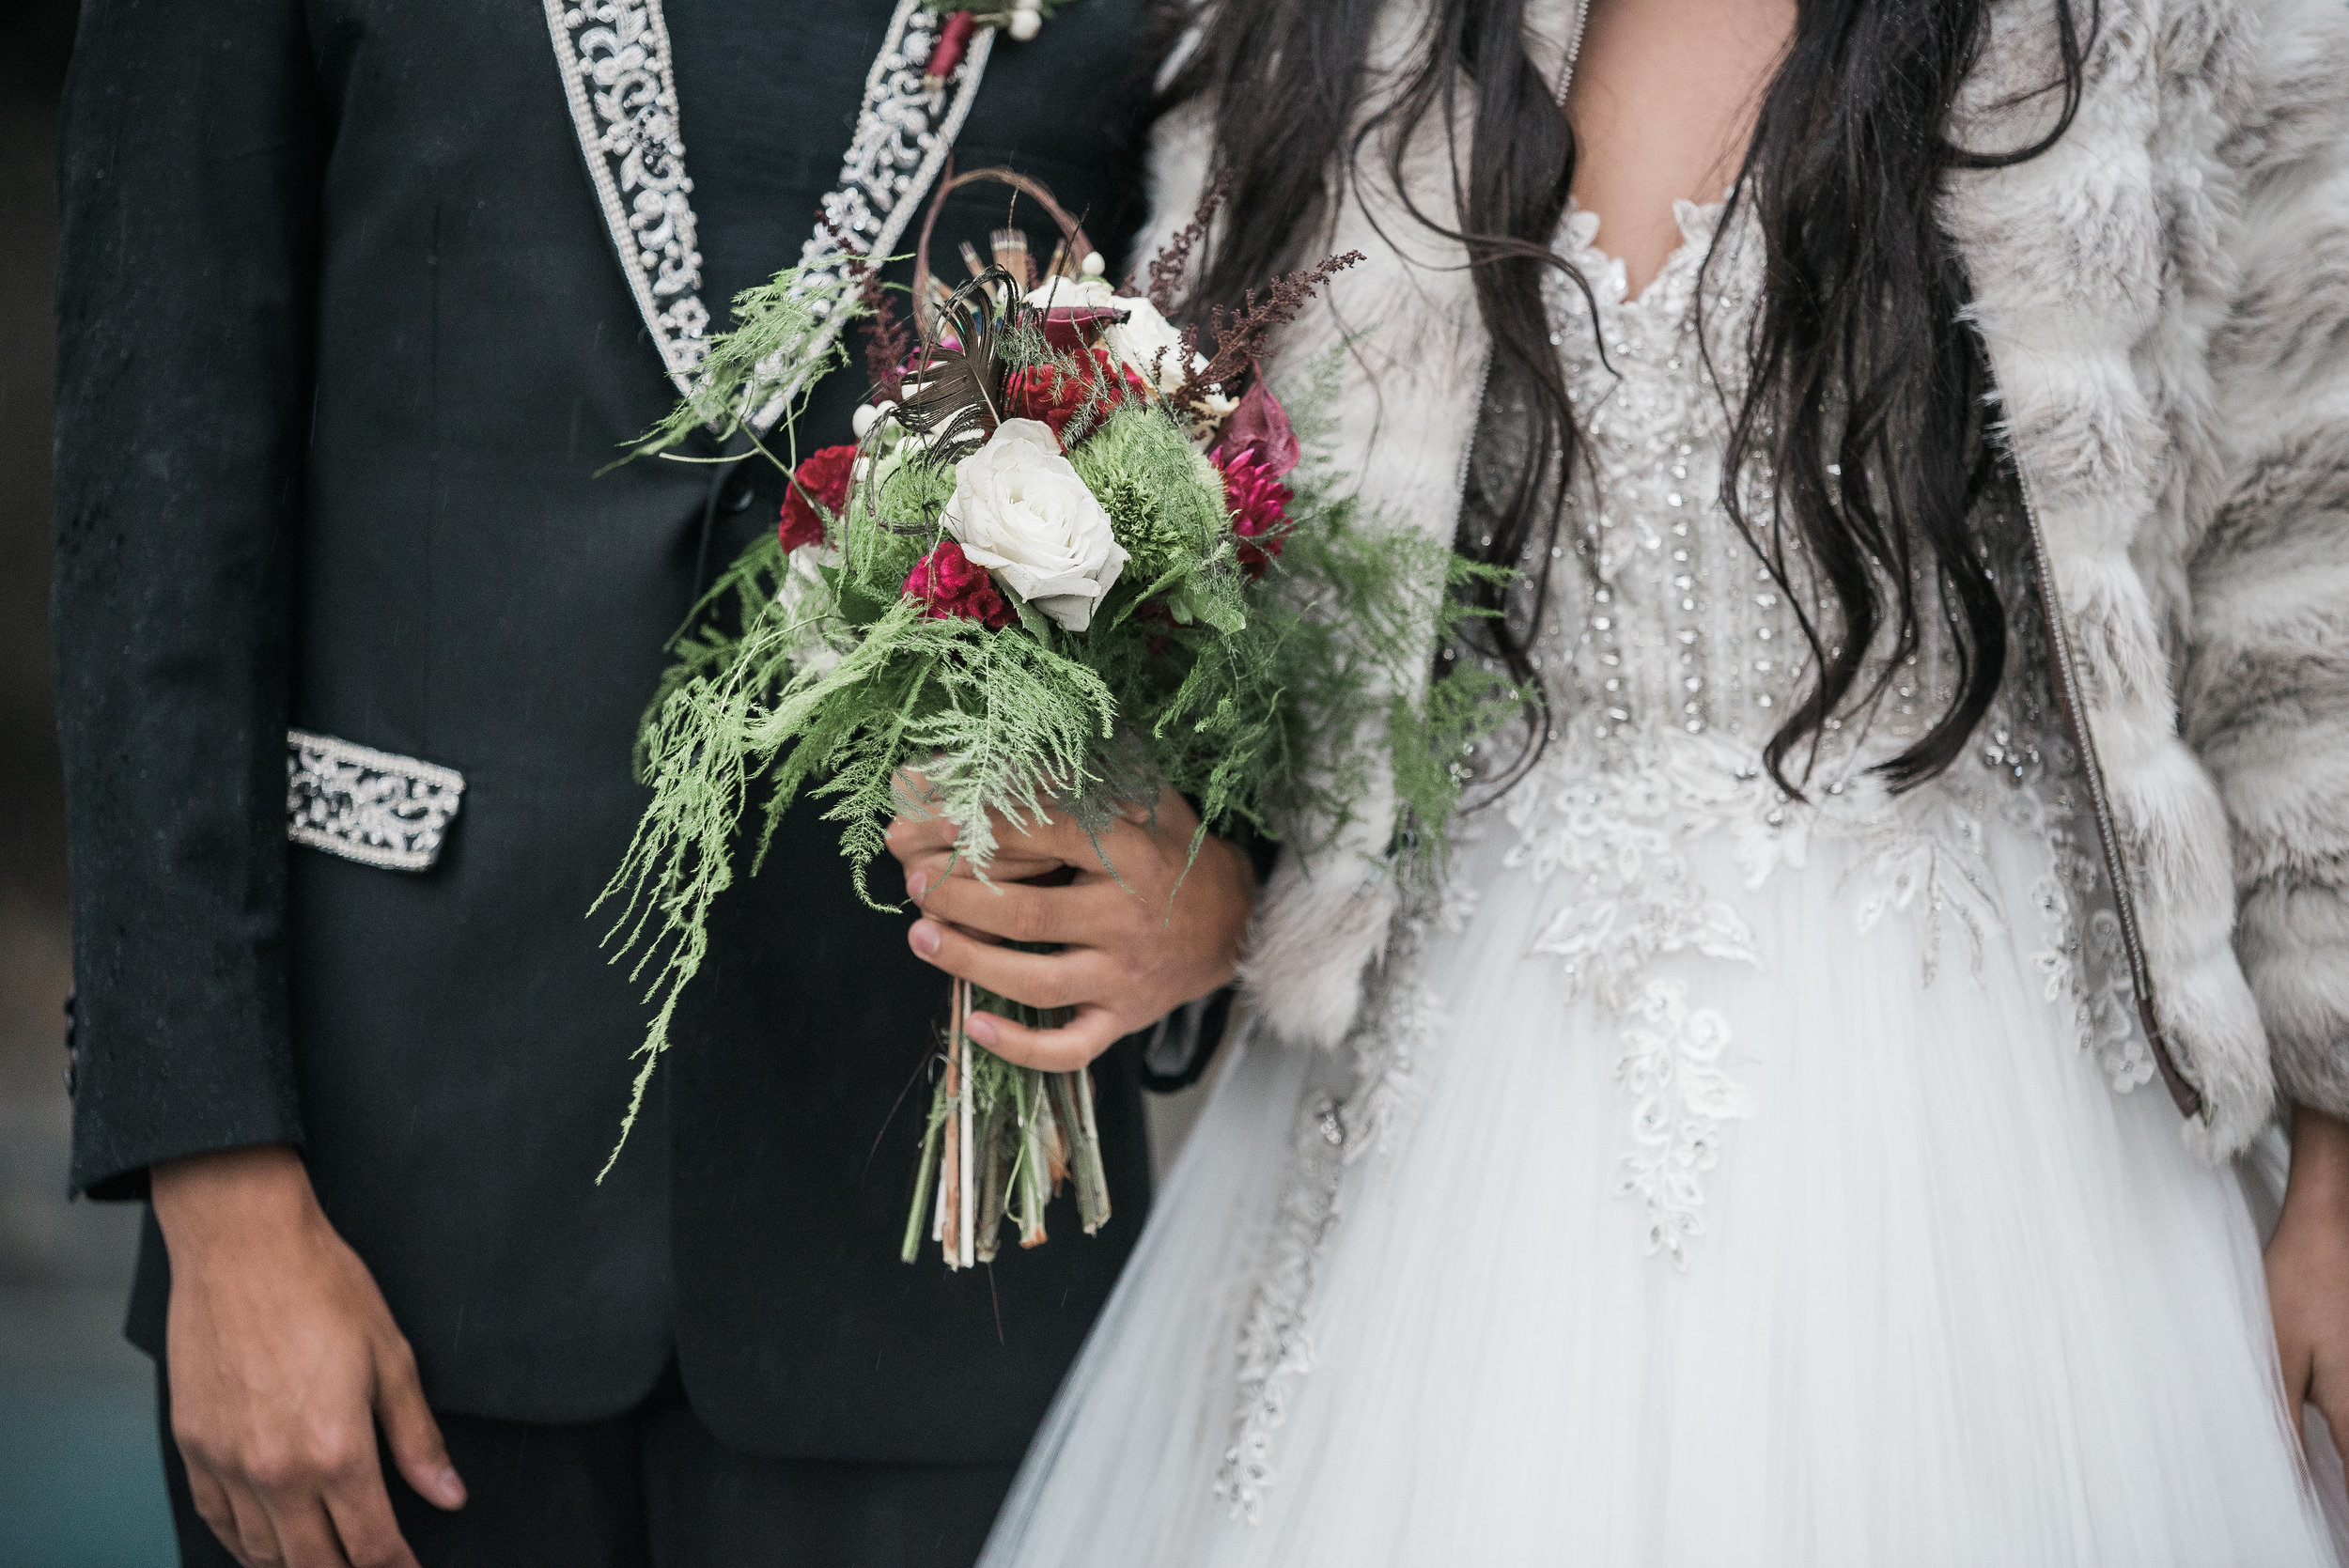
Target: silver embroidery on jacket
366 805
623 93
618 76
903 135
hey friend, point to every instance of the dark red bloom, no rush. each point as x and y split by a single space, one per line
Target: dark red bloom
1071 328
822 480
1259 504
947 582
1055 395
1259 428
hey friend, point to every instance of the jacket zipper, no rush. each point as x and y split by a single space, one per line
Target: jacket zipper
2066 676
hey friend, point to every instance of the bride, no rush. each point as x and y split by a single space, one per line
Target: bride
1922 434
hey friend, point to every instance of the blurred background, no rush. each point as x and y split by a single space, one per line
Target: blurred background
81 1482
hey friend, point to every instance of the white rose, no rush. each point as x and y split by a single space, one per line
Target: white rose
1145 342
1019 510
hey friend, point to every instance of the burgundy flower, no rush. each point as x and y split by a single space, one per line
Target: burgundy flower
822 480
948 584
1072 328
1259 506
1055 395
1259 428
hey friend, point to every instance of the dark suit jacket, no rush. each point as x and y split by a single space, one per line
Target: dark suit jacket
343 343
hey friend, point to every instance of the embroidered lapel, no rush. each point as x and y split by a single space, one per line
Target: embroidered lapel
618 76
623 93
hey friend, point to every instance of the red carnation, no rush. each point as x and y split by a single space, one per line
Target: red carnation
1259 506
949 584
1055 395
822 480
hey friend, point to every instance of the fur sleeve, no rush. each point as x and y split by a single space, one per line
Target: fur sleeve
1403 329
2266 698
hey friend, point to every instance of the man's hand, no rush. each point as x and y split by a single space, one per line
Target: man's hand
2307 1272
283 1357
1129 955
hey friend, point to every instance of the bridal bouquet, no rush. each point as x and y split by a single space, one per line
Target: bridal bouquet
1069 563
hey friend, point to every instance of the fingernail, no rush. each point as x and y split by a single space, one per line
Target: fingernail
449 1487
980 1027
917 884
925 937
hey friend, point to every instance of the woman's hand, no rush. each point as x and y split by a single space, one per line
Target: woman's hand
1127 956
2307 1272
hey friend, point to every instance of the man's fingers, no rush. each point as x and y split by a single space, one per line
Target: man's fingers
1093 1029
1019 850
910 836
361 1512
1036 979
1062 839
1016 913
929 869
215 1507
414 1435
305 1536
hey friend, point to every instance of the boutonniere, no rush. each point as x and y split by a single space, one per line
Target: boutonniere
1021 19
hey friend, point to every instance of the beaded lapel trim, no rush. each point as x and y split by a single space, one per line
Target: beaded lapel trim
618 76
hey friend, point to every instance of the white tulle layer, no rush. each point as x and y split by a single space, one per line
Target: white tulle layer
1954 1300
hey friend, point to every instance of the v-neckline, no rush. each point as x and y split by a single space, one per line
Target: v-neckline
1699 221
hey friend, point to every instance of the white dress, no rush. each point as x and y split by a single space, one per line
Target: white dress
1720 1178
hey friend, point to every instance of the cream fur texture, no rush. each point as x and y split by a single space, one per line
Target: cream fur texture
2165 299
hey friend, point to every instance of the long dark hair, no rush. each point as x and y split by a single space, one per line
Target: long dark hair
1865 386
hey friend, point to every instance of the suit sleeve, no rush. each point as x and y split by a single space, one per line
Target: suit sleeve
2266 696
192 146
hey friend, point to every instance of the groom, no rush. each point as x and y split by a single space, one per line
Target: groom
352 642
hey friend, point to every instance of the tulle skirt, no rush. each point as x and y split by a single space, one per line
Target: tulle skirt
1792 1257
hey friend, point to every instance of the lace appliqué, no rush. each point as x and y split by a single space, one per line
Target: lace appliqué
1618 826
2082 958
2086 968
1619 831
1671 1067
622 87
1400 1014
366 805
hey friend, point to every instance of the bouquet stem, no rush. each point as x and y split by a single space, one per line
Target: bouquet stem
1074 1092
999 1141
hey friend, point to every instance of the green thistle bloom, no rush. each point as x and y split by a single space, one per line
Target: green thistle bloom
1152 541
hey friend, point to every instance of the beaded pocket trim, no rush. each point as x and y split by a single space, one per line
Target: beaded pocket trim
366 805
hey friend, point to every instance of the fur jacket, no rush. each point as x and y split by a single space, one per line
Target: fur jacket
2164 297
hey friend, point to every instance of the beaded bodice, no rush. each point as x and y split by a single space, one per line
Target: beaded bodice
1668 655
1660 614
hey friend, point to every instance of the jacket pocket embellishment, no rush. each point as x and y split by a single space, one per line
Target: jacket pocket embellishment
366 805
